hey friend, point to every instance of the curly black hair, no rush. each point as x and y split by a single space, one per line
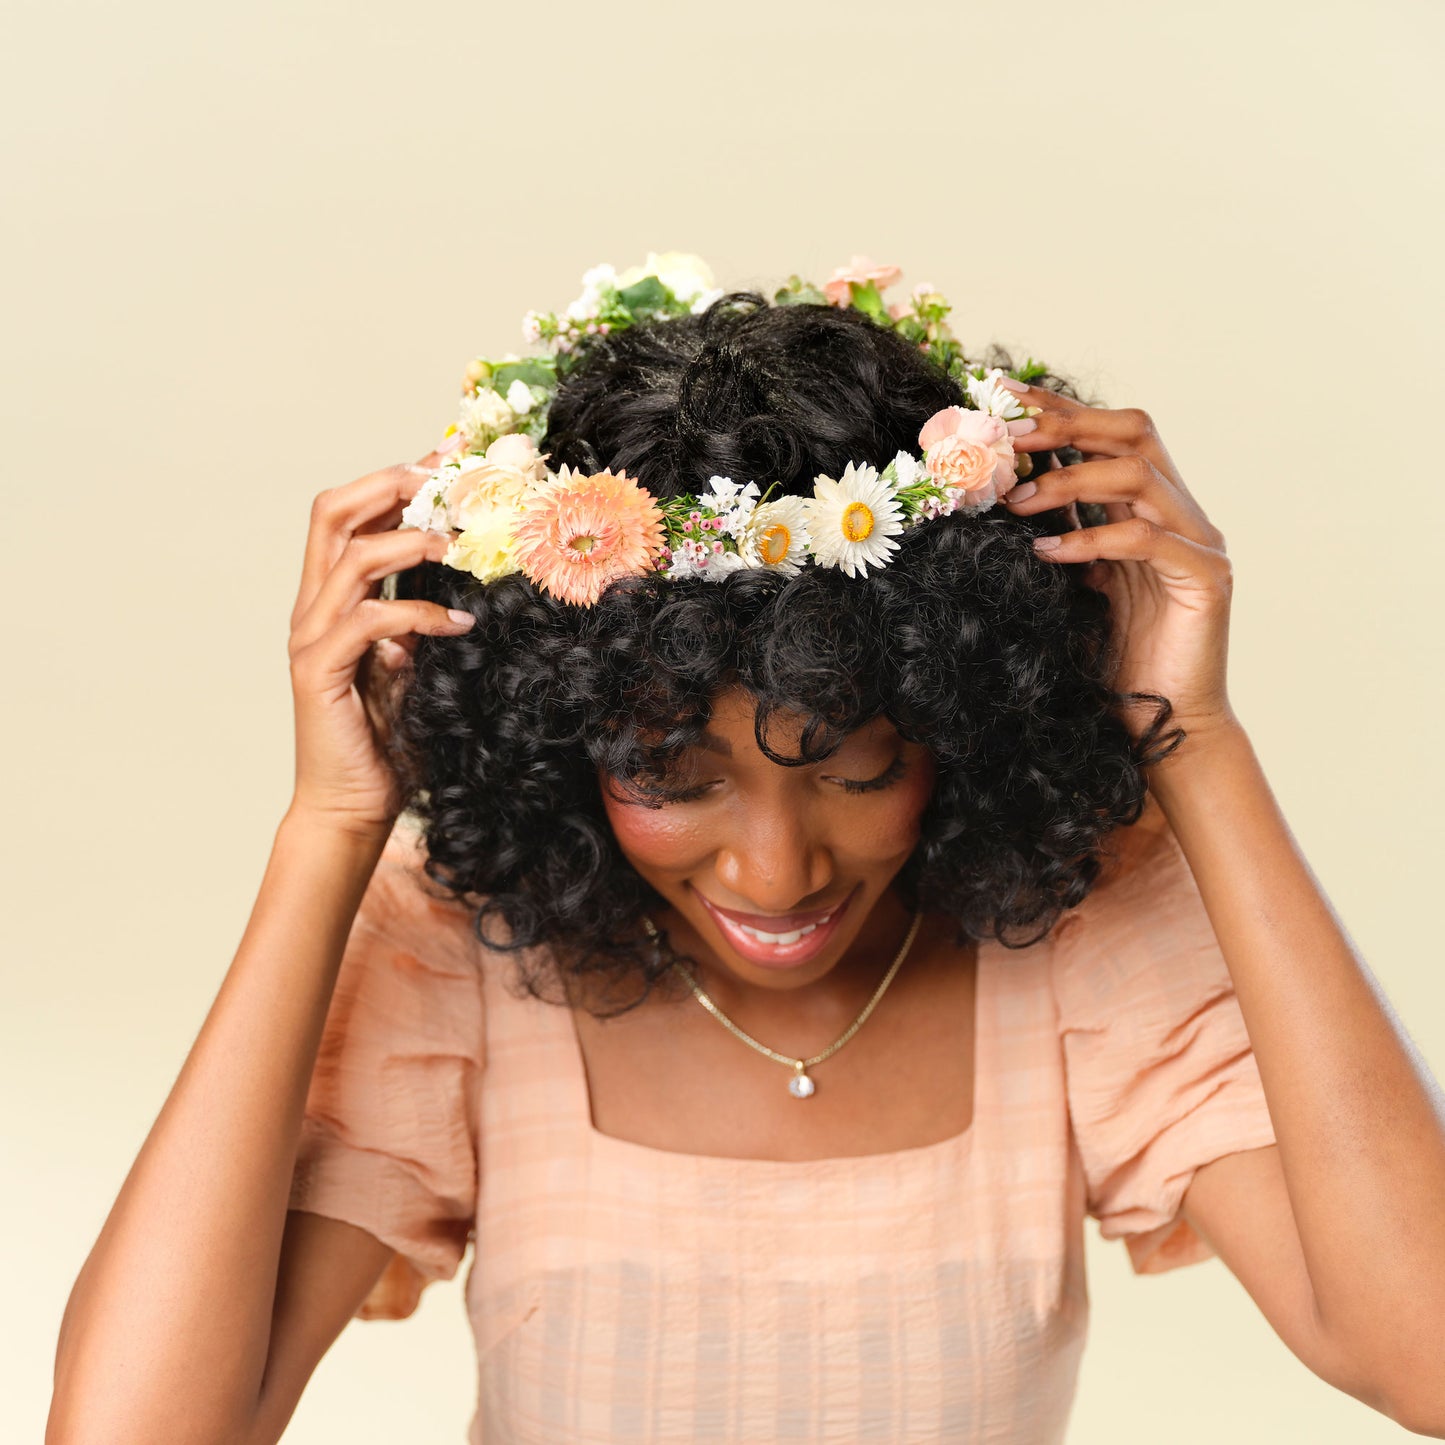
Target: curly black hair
998 662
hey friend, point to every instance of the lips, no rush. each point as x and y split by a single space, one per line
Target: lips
778 940
776 923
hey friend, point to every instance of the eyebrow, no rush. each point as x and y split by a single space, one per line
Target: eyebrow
714 744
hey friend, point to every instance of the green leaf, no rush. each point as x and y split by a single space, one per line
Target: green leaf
648 294
532 372
869 299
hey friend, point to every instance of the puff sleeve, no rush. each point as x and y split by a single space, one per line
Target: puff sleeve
1161 1076
388 1140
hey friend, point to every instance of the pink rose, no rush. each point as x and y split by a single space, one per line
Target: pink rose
858 272
970 451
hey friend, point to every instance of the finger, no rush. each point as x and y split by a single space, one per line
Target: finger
364 562
1125 486
372 503
1108 431
330 663
1176 559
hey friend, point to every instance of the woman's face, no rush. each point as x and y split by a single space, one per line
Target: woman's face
774 872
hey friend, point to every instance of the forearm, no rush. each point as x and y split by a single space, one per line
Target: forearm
1359 1120
167 1329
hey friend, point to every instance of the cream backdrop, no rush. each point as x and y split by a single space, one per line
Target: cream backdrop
249 250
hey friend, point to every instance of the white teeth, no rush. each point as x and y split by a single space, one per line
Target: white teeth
783 938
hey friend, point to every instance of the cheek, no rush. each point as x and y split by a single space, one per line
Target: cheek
890 828
656 840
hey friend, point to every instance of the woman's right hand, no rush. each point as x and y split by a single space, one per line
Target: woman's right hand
348 644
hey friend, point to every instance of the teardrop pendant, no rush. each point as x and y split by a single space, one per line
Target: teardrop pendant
800 1086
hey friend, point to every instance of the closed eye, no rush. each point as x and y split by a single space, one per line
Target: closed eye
889 775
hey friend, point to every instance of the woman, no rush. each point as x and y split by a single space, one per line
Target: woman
769 969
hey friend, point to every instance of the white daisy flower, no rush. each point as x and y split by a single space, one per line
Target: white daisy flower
519 397
775 536
427 509
988 396
852 522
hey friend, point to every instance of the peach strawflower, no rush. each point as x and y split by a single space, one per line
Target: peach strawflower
858 272
577 533
970 452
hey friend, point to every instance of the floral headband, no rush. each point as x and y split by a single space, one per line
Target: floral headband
572 533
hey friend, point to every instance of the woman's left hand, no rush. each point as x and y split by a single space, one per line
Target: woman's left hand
1158 558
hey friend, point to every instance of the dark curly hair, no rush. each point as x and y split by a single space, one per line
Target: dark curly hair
995 660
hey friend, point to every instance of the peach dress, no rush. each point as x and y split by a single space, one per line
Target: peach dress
621 1293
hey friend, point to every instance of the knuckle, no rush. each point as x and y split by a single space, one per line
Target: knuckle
1140 423
323 504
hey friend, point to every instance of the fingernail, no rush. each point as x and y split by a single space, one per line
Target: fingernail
458 616
1022 427
1022 491
1046 544
1013 383
1055 465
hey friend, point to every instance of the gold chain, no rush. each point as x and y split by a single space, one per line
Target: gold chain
800 1085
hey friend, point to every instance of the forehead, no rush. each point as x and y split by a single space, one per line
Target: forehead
731 728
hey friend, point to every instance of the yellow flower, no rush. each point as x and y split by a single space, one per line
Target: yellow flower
485 548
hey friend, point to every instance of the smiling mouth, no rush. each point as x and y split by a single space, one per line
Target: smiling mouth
780 938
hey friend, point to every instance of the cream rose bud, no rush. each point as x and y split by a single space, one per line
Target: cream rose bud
484 417
519 452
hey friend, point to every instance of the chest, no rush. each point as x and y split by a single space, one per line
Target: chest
671 1076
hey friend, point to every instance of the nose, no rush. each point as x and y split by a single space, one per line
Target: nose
774 860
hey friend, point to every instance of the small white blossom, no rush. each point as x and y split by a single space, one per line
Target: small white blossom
598 278
519 397
427 509
532 327
907 467
703 299
988 396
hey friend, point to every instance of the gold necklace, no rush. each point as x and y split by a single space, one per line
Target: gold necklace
801 1085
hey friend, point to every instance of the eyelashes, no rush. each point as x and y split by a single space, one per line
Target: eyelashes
890 775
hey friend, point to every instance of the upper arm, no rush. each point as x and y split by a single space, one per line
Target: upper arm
327 1269
1240 1206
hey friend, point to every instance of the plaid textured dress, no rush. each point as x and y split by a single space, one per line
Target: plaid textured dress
621 1293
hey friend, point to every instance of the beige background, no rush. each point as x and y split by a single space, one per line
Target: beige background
250 249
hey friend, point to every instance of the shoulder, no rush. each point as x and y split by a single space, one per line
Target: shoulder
408 909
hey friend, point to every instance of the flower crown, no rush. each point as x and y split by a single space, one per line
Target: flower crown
572 533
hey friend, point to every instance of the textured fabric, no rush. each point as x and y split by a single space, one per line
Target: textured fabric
621 1293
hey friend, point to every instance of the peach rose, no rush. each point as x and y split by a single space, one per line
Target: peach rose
970 451
497 479
858 272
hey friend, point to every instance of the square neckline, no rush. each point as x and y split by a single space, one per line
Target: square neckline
921 1155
